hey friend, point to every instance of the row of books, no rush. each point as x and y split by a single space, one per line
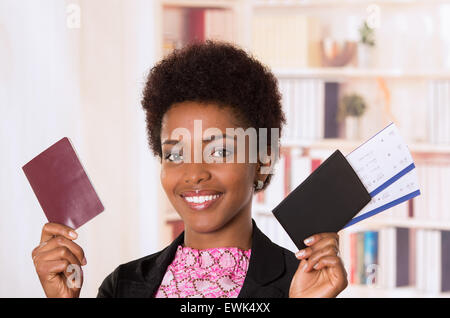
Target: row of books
433 204
399 257
286 40
182 25
439 112
303 105
311 107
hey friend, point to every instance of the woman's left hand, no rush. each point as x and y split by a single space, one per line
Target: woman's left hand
321 272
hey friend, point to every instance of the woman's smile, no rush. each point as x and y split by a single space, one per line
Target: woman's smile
202 202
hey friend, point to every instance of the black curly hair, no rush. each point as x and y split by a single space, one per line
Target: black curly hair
218 72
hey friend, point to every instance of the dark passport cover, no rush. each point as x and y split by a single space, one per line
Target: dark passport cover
325 202
62 186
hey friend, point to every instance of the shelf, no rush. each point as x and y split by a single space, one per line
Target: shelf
345 73
409 223
347 146
361 291
200 3
302 4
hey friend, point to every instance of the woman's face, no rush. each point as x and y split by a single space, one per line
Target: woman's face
229 185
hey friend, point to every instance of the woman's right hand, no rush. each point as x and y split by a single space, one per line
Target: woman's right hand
58 261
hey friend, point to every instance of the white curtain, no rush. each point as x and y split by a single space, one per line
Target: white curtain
57 80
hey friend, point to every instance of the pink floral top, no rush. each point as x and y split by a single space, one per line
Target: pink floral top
210 273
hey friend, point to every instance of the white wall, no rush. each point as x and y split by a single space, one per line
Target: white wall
84 84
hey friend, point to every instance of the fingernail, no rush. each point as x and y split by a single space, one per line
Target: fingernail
308 240
73 235
84 261
43 243
305 266
316 265
300 253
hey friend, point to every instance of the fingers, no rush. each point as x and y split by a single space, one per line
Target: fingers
314 239
56 254
56 262
59 260
72 273
319 246
59 241
314 260
51 267
318 242
335 262
54 229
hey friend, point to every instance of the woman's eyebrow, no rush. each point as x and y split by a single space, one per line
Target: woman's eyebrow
208 139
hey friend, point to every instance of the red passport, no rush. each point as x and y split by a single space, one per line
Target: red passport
62 186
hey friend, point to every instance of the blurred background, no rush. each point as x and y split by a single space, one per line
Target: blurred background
346 69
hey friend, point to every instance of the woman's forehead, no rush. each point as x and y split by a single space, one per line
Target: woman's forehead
188 115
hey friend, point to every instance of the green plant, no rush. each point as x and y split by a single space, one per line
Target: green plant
352 105
367 34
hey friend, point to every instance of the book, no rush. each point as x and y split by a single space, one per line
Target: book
281 40
412 256
219 25
402 257
303 105
195 25
62 186
439 112
445 260
331 110
370 257
360 277
300 169
353 259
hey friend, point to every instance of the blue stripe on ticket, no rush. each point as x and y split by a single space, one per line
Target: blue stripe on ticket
392 180
383 207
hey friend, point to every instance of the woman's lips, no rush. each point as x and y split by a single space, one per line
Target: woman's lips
204 205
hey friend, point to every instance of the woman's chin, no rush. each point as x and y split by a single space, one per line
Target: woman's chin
203 224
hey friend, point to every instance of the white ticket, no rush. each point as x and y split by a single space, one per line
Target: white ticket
386 168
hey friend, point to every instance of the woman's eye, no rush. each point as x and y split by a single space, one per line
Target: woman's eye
222 152
173 157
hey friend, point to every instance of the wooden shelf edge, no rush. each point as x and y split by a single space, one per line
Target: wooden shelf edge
338 73
357 291
303 4
349 145
199 3
368 224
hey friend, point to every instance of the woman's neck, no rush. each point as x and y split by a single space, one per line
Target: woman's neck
236 233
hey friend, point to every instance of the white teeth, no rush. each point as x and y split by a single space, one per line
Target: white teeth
201 199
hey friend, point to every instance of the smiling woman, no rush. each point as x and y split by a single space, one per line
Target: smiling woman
221 253
224 89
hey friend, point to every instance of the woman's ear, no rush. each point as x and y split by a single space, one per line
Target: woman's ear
264 168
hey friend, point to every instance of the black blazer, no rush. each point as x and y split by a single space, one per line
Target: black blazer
269 274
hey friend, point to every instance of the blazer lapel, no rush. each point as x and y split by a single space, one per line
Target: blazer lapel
153 272
266 265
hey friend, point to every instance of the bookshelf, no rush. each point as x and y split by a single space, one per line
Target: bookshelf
404 88
305 4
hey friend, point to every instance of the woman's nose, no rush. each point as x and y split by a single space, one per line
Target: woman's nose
195 173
